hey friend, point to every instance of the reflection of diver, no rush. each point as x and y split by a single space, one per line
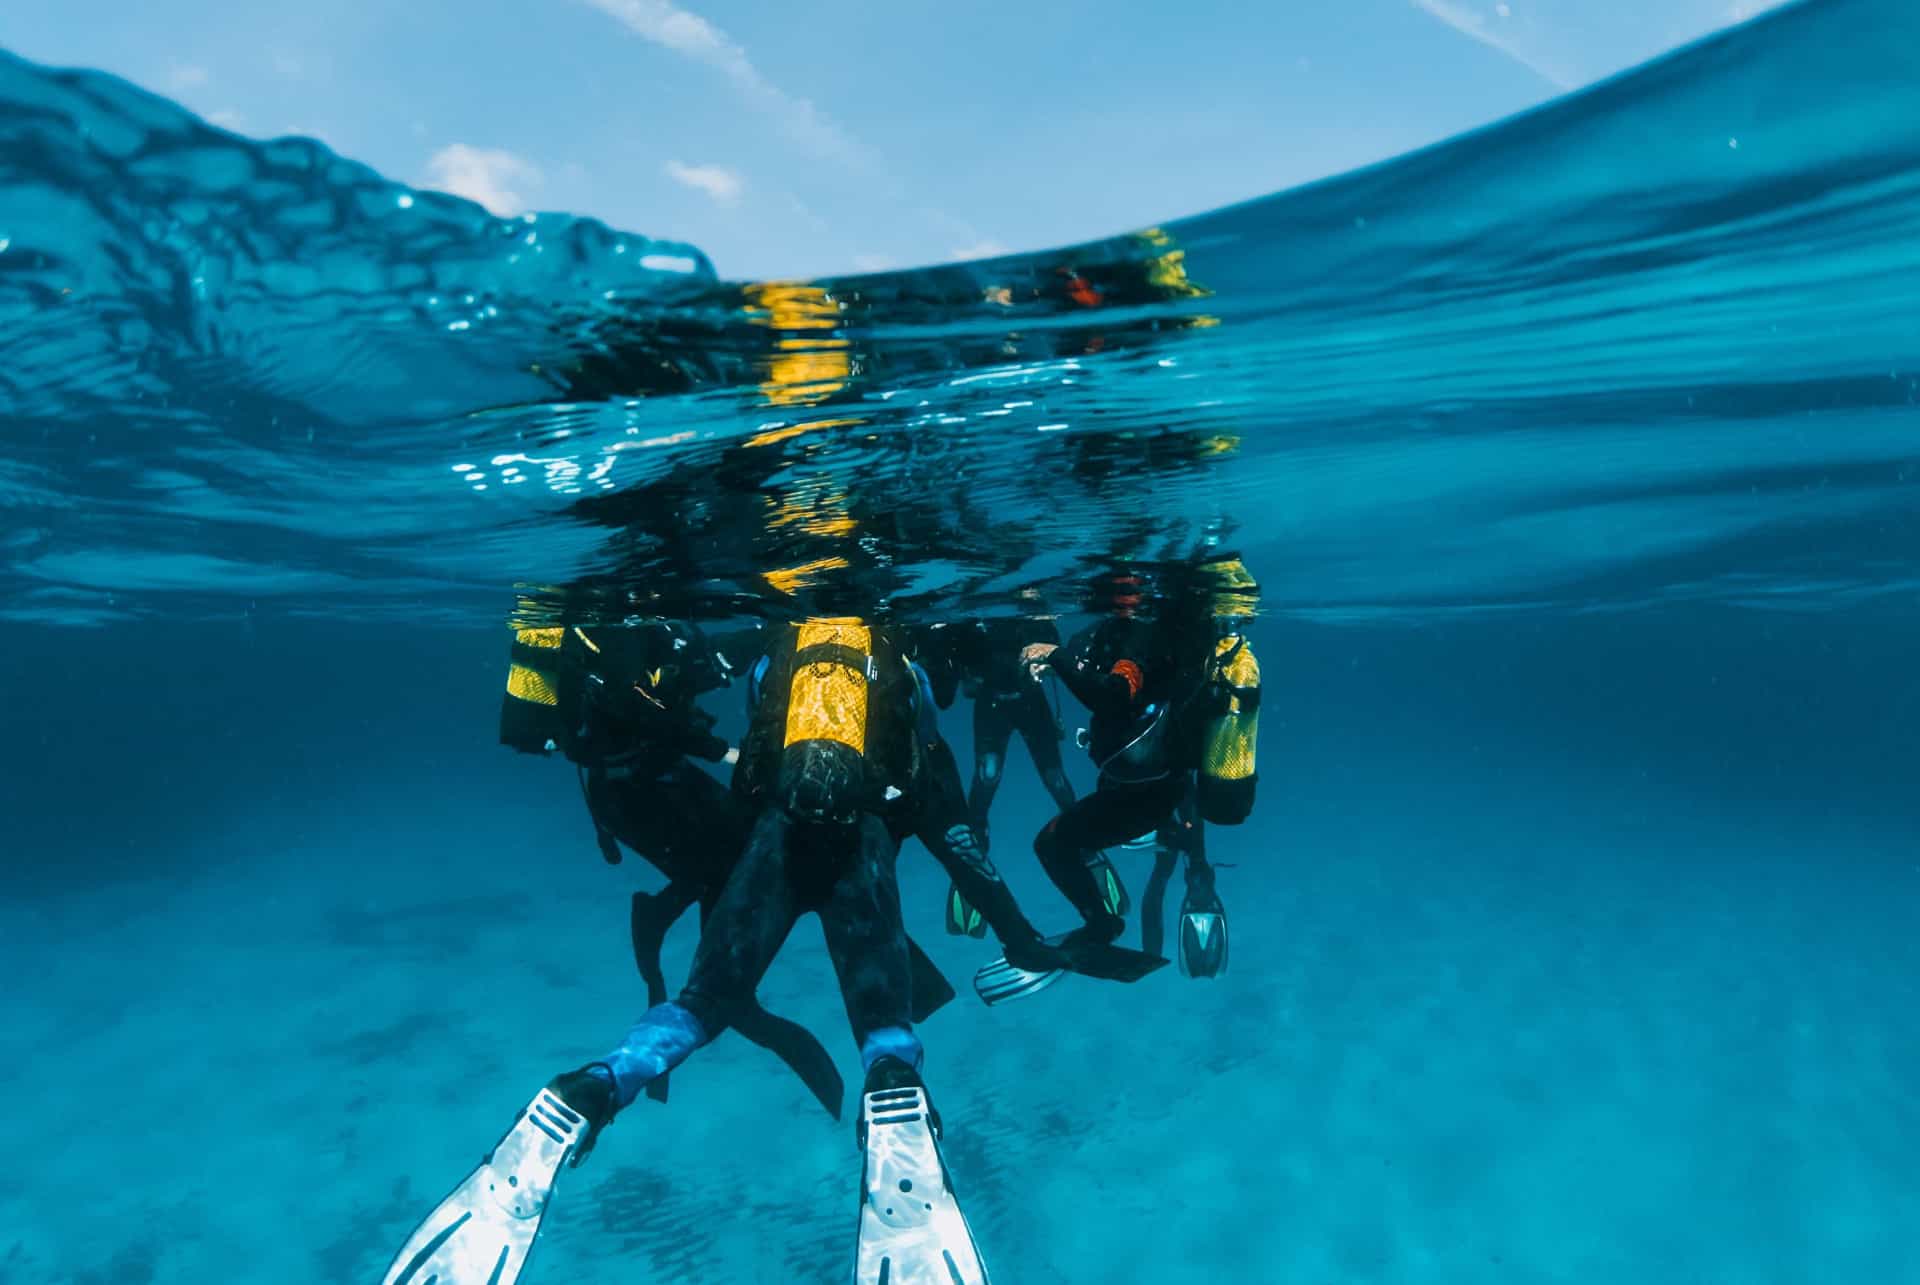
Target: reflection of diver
826 769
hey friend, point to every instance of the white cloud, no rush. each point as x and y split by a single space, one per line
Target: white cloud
987 249
488 175
230 120
717 181
873 262
183 76
1468 22
666 24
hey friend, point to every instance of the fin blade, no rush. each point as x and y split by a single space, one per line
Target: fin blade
795 1045
931 989
998 982
1203 939
482 1233
1111 963
912 1231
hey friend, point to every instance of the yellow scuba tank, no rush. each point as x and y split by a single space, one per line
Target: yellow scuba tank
827 695
1226 777
530 718
823 745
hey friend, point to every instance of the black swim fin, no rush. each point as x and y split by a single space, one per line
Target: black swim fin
1108 962
795 1045
1203 934
931 989
1073 952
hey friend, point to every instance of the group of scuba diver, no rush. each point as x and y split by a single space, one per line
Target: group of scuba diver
842 760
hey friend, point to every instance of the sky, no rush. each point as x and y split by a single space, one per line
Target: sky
840 135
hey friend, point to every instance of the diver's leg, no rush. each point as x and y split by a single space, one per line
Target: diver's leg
944 819
991 729
868 945
1153 905
979 887
1042 736
1110 815
749 923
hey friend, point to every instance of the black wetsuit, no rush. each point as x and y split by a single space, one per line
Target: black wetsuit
825 837
1122 669
1006 700
620 703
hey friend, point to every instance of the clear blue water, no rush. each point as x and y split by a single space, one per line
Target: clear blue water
1573 933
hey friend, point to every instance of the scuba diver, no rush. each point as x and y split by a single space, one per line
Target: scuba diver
620 703
1008 698
1173 708
827 771
1225 719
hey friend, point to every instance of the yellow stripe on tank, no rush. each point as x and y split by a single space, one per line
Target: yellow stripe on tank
540 637
531 685
827 700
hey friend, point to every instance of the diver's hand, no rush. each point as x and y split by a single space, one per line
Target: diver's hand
1034 657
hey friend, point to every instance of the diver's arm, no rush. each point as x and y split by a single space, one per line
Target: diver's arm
1102 690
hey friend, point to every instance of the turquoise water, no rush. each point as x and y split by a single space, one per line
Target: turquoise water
1573 933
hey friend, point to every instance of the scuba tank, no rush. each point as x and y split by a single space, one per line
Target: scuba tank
824 773
531 720
1226 777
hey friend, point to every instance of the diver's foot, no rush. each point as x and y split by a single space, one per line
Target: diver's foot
589 1092
893 1080
1101 928
1034 955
